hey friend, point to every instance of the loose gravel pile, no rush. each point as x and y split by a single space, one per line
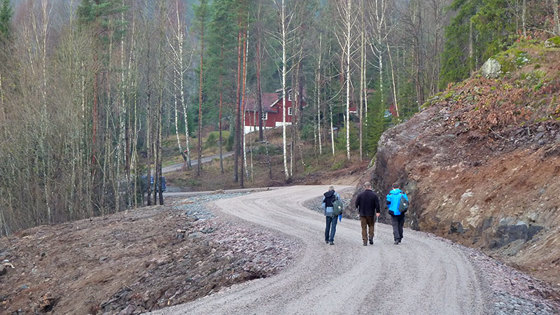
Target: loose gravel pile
261 254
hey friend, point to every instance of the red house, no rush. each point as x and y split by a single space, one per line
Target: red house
272 111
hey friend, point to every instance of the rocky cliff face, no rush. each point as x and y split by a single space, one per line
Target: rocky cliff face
481 163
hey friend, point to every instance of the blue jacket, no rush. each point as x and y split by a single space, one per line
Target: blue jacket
329 210
393 199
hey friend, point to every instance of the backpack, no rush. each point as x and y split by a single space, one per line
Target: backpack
403 205
329 200
338 207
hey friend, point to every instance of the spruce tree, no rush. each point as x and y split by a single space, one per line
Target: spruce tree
5 19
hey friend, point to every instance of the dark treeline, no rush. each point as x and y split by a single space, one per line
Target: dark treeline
89 89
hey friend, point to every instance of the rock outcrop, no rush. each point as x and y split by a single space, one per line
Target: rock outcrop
482 166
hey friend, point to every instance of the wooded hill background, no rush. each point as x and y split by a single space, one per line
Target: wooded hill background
89 89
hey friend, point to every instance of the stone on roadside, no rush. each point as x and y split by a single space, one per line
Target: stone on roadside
3 270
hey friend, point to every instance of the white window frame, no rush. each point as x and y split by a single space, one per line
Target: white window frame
290 111
265 116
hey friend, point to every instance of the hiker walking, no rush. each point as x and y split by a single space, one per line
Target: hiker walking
367 204
328 200
397 211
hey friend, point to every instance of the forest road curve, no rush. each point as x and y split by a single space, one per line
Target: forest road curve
422 275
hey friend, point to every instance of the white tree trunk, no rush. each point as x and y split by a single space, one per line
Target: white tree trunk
182 70
362 77
319 97
122 115
555 4
332 130
523 17
395 101
244 101
176 111
348 44
284 61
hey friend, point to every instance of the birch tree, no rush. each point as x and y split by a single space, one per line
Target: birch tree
177 43
346 42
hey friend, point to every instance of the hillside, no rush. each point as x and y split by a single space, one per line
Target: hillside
481 162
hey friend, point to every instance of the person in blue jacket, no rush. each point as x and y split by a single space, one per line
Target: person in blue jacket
397 218
330 229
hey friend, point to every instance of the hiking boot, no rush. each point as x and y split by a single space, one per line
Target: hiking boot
326 242
331 243
396 242
371 241
365 243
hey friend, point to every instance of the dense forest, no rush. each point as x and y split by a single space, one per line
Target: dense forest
89 89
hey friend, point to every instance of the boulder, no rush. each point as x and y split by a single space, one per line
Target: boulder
491 69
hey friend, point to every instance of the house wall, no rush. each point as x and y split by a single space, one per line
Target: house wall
274 119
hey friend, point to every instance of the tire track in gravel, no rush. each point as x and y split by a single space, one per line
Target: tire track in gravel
420 276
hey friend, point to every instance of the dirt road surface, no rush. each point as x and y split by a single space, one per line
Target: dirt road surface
420 276
206 159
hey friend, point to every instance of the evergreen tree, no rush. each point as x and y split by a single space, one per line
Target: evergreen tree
202 14
480 29
5 19
457 55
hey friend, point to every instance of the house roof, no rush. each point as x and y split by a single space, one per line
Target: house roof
268 99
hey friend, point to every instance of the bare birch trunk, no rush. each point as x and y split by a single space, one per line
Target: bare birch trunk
238 130
395 100
332 129
348 44
199 165
524 16
220 116
175 104
258 60
319 96
243 100
284 61
362 78
121 135
555 4
148 134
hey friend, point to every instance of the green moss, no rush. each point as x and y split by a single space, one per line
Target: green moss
448 95
513 58
426 105
493 88
555 40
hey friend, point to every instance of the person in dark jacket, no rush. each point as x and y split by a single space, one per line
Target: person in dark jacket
397 218
367 204
330 229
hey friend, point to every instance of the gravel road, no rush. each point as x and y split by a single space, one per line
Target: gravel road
179 166
420 276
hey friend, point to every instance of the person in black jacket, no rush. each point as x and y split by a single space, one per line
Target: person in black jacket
367 204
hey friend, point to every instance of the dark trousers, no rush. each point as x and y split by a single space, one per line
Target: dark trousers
330 229
367 221
398 223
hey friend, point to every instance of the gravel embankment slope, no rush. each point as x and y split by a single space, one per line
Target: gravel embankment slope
423 275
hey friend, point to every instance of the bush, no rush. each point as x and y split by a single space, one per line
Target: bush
340 141
212 140
229 142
